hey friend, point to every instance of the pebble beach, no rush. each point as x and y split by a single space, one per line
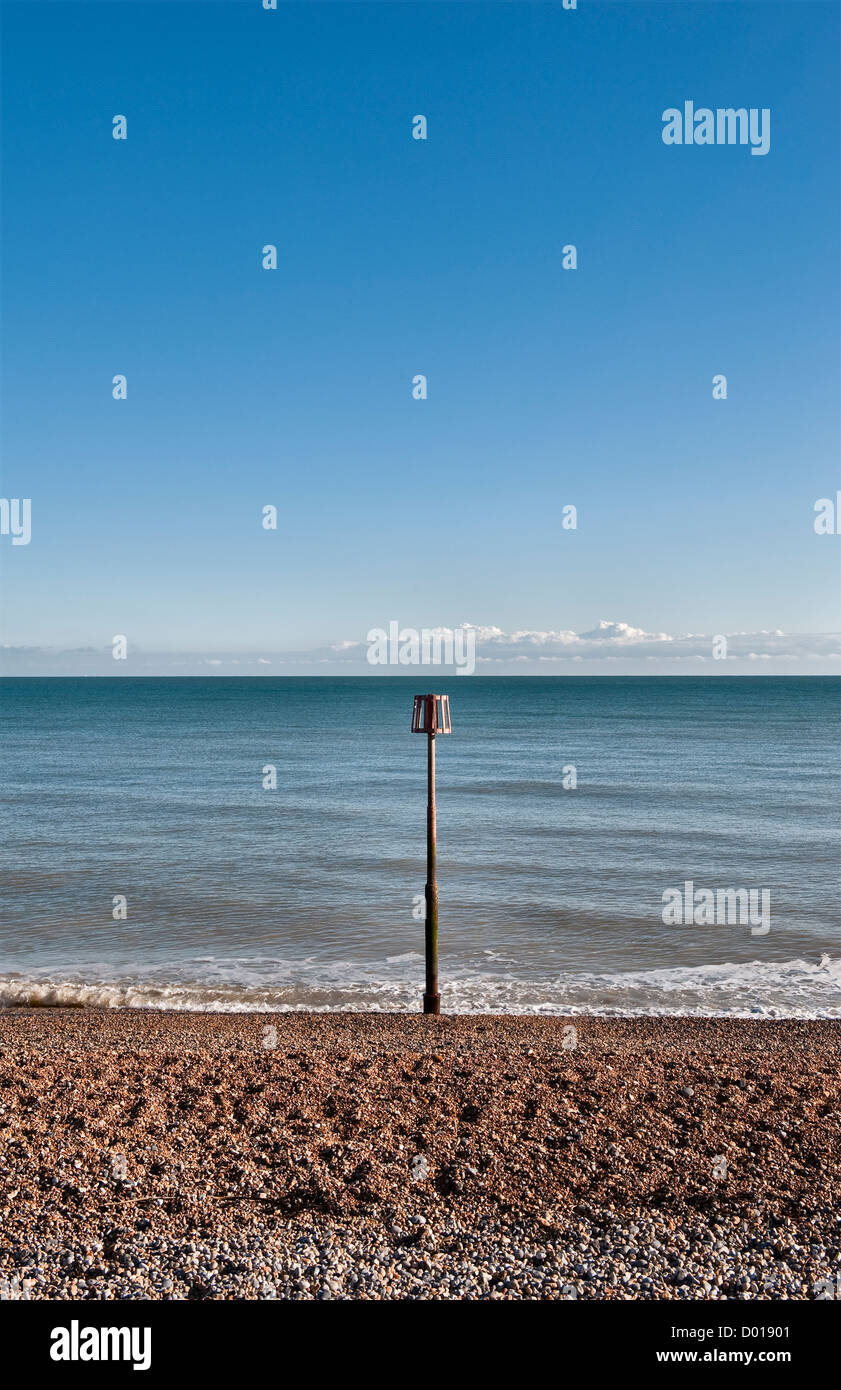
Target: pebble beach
162 1155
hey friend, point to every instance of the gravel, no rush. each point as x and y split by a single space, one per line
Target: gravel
171 1156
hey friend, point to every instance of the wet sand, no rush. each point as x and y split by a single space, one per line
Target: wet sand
172 1155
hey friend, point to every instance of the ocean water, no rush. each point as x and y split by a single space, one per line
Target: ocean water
305 896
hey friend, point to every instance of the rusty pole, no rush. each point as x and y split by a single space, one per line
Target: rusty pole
431 998
431 716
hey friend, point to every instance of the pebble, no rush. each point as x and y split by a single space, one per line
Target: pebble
397 1157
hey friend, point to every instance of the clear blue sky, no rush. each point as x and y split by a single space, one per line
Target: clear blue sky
396 257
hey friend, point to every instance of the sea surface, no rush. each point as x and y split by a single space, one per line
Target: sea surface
307 896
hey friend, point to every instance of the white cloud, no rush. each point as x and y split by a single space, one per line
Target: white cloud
610 641
611 647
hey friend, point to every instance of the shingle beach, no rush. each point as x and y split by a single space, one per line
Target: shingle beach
153 1155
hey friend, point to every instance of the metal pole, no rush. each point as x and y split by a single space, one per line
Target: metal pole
431 998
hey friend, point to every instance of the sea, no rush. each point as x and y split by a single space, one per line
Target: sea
242 844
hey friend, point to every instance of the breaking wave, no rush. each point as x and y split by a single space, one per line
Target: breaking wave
783 989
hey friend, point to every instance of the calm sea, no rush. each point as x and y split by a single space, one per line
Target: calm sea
306 896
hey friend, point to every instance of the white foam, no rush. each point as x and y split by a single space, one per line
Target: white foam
785 989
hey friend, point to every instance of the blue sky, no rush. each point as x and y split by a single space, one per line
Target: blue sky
293 387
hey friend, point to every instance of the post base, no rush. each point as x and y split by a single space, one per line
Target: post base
432 1003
